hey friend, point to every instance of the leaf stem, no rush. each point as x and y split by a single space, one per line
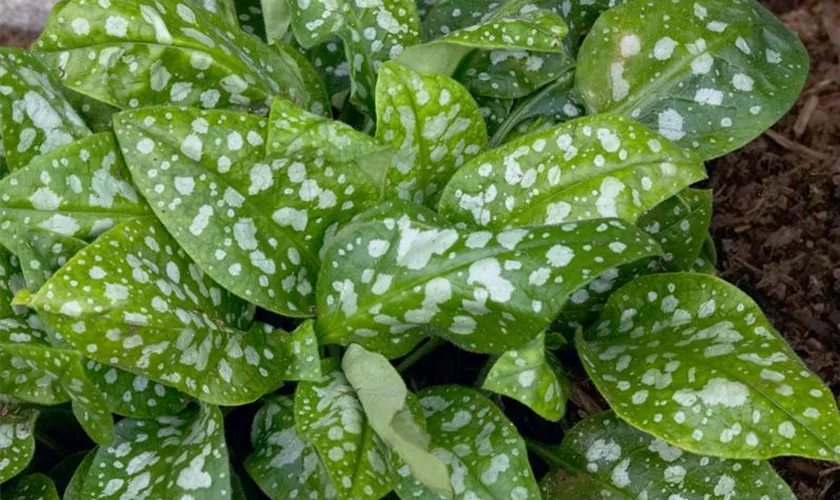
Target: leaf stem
420 353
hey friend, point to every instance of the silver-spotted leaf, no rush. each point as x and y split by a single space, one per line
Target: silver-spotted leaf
130 54
485 455
17 438
283 464
330 60
11 282
511 74
169 457
681 226
387 406
710 75
533 376
706 261
252 18
35 118
589 168
607 454
133 395
692 360
402 272
495 111
433 124
74 488
32 487
330 417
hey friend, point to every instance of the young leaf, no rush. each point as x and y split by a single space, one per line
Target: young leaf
680 225
403 271
434 125
128 54
532 376
692 360
385 400
709 75
221 188
330 417
484 452
283 464
36 117
149 310
33 487
592 167
607 454
17 440
170 457
133 395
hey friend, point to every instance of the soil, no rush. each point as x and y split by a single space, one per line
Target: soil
777 228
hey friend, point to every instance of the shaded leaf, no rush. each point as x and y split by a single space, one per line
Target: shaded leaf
534 377
706 262
330 60
434 125
692 360
32 487
495 112
592 167
511 74
680 224
277 15
133 395
17 440
610 455
709 75
77 482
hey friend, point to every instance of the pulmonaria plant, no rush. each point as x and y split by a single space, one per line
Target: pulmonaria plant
183 181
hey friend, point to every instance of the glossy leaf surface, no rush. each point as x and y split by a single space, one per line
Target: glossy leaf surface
17 439
133 395
680 224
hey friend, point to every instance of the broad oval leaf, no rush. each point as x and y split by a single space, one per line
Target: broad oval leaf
32 487
133 395
681 225
533 376
169 457
330 417
206 176
692 360
130 54
483 450
403 272
149 310
607 454
710 75
17 439
36 116
589 168
434 125
283 464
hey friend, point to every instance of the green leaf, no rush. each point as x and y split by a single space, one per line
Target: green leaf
373 33
611 457
434 125
77 482
692 360
710 75
484 452
268 216
149 310
592 167
402 272
330 60
680 224
11 282
283 464
582 14
495 112
17 440
385 400
706 262
170 457
251 17
128 55
36 118
330 417
511 74
278 17
133 395
32 487
534 377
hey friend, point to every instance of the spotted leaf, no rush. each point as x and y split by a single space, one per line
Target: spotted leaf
32 487
133 395
485 455
532 376
402 272
169 457
693 361
265 216
149 310
329 415
681 225
252 17
607 454
706 262
511 74
74 488
17 439
11 282
580 15
709 75
495 111
128 54
599 166
35 118
330 60
390 410
434 125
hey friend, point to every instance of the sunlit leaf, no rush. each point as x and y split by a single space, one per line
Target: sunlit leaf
32 487
17 440
710 75
329 415
607 454
434 125
534 377
402 272
680 225
36 118
130 54
252 17
692 360
592 167
133 395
